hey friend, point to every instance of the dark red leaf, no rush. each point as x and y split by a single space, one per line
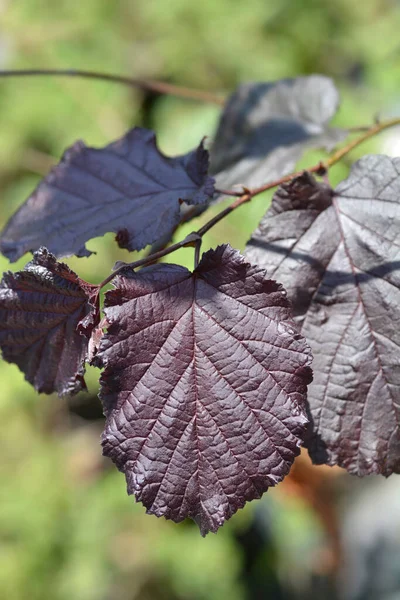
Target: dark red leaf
204 386
128 187
338 256
47 315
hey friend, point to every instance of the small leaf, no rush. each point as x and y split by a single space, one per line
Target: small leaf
337 253
47 315
204 386
266 127
128 187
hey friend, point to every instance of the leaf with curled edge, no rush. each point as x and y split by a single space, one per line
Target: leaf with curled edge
47 315
266 127
338 255
204 386
128 187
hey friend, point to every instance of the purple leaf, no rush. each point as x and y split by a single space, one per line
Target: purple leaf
204 386
266 127
338 255
47 315
128 187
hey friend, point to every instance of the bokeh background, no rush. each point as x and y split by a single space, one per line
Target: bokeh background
67 528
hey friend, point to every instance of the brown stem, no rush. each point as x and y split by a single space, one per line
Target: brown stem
144 84
372 131
228 192
221 215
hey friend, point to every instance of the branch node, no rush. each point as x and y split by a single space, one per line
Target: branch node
191 240
321 169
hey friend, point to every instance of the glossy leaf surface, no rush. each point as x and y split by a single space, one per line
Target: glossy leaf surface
47 315
338 254
204 386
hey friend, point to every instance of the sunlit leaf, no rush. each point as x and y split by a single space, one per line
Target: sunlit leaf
47 315
204 386
128 187
338 255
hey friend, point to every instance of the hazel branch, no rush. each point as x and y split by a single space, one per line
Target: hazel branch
160 87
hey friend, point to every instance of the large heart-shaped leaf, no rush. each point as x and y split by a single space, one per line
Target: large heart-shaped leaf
204 386
338 254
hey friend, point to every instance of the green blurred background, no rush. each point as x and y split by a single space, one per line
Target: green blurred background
67 528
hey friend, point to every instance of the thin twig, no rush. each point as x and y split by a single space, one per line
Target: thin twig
374 130
221 215
228 192
144 84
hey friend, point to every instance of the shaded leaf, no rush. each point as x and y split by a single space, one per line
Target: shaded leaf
128 187
204 386
266 127
338 255
47 315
